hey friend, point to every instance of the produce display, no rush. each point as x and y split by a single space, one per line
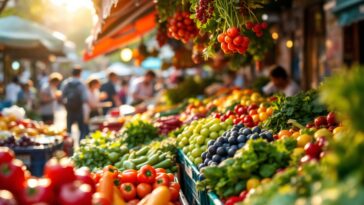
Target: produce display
139 132
195 138
10 141
167 124
232 140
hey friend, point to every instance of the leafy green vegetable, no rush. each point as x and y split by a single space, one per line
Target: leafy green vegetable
138 133
258 158
303 108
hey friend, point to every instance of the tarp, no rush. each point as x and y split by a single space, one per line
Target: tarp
349 11
19 33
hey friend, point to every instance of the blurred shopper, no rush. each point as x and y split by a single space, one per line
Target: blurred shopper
109 88
49 95
280 83
123 93
27 97
12 90
74 96
144 88
94 97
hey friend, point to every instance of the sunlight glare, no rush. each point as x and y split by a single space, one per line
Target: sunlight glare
73 5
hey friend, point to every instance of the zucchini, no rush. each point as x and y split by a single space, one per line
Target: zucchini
142 151
139 160
164 164
128 165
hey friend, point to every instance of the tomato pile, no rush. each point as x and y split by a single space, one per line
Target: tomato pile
135 185
257 28
233 42
182 27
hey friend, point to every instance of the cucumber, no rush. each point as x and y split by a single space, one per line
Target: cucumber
132 155
162 156
128 165
164 164
139 160
125 157
142 151
123 150
151 161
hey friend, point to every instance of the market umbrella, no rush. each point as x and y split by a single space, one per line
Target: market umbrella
19 34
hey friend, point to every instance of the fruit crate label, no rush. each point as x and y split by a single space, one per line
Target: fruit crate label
25 158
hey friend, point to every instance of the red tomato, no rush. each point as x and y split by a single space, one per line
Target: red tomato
99 199
37 191
160 170
249 25
130 176
143 189
12 176
6 154
133 202
171 177
221 38
161 180
228 39
253 112
174 193
128 191
75 193
175 185
238 40
248 119
146 174
232 32
83 174
55 168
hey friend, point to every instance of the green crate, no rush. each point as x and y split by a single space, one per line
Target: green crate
189 177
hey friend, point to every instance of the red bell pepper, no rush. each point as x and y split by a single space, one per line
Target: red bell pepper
12 176
146 174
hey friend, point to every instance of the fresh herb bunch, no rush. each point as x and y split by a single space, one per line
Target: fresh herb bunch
258 158
139 132
303 108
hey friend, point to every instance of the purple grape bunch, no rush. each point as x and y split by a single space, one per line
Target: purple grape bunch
205 10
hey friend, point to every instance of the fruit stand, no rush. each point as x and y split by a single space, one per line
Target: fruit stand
236 146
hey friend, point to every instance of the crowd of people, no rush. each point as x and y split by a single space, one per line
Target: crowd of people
84 100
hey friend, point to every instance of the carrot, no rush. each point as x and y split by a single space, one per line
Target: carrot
106 186
118 200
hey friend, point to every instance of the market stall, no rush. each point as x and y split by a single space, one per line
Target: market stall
231 146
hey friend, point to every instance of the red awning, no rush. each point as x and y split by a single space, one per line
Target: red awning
125 24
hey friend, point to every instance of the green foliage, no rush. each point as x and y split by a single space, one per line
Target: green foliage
138 132
258 158
303 108
344 93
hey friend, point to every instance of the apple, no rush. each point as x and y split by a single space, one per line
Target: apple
323 132
313 150
331 119
320 121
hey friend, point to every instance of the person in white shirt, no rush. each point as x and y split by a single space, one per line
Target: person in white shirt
144 88
12 90
280 83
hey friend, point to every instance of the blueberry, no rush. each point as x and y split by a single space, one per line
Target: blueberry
240 125
242 139
235 128
263 136
249 136
220 140
226 145
234 134
206 162
234 147
210 143
218 143
232 151
216 158
241 130
256 129
209 156
247 131
221 151
212 149
233 140
254 136
200 166
203 155
269 136
225 139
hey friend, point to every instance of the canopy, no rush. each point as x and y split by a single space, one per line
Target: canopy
127 21
349 11
22 36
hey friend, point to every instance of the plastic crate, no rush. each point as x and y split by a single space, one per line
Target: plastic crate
189 176
36 157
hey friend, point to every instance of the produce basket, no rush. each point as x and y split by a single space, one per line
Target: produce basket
213 199
36 157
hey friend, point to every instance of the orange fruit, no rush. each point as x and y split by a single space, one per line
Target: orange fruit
284 132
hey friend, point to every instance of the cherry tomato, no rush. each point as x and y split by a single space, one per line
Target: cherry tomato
232 32
175 185
143 189
171 177
174 193
128 191
221 38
